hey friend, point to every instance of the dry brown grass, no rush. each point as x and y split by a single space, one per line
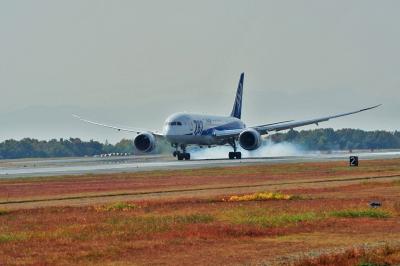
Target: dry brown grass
362 256
194 178
207 229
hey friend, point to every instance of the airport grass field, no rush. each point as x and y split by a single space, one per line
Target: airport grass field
280 214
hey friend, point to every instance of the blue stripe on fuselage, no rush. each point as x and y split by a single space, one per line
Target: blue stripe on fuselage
228 126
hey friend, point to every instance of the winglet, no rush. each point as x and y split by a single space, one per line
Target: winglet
369 108
237 106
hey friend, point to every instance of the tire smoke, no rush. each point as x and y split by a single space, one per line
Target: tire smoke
267 149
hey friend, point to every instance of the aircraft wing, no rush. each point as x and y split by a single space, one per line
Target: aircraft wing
291 125
137 131
264 129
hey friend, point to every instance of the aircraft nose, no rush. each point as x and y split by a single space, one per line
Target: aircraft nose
168 131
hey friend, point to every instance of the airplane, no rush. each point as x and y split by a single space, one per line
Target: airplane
183 129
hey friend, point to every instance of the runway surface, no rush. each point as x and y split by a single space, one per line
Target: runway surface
88 165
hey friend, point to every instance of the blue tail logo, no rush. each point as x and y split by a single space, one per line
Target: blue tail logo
237 106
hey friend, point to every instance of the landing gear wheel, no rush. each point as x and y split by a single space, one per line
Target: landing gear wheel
235 155
183 156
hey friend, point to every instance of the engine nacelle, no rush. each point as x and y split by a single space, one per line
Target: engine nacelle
250 139
145 142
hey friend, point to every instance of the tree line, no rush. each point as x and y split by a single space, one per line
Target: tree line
318 139
72 147
326 139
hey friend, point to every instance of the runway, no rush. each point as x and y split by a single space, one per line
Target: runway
89 165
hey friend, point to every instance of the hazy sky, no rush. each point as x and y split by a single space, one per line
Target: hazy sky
135 62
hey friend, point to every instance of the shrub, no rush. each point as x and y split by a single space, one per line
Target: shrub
261 196
118 206
9 237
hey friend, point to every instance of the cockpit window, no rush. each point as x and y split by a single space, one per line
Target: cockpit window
174 123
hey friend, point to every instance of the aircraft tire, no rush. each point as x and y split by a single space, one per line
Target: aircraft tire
187 156
231 155
238 155
180 156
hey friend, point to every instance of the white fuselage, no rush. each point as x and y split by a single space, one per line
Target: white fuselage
182 128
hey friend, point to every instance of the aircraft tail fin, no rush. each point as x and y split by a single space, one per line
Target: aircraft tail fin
237 106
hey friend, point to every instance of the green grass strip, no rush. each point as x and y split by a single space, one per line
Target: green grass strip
370 213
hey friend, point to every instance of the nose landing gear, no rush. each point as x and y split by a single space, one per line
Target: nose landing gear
181 155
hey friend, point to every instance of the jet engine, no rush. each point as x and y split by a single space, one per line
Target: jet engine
250 139
145 142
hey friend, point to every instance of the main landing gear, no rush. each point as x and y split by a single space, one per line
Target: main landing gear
235 154
181 155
